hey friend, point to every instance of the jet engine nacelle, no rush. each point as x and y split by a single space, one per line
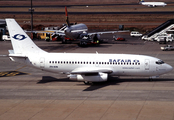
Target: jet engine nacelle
83 35
100 77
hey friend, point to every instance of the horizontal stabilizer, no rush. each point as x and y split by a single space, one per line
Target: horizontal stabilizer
17 55
14 55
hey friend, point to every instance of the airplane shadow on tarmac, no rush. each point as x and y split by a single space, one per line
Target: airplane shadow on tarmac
94 86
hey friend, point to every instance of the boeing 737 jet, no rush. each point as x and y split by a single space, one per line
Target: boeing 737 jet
85 67
153 4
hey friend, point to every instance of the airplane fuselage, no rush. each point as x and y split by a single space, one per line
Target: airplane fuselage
77 31
119 64
154 4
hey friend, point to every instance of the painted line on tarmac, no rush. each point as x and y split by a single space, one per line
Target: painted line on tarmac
12 73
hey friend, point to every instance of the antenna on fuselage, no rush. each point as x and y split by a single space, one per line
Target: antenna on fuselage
67 20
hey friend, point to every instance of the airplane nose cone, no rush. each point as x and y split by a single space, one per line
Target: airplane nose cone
169 68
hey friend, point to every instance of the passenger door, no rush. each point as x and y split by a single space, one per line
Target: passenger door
42 62
147 64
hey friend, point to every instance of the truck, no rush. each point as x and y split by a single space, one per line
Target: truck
166 37
167 47
135 34
47 35
6 37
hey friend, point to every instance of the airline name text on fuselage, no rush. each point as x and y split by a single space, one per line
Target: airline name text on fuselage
123 61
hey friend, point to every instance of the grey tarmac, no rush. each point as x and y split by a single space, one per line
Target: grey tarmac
31 94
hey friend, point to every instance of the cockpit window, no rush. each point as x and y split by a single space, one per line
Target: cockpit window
159 62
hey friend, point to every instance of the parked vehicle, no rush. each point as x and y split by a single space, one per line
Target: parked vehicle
135 34
167 37
118 38
162 40
6 37
167 47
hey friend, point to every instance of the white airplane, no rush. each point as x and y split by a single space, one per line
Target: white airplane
152 4
84 67
77 31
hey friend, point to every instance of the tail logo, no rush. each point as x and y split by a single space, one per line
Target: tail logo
19 37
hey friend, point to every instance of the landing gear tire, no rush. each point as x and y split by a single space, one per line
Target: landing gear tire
48 40
64 41
150 79
86 83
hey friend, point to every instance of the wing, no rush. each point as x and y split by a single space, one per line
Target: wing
107 32
89 70
57 32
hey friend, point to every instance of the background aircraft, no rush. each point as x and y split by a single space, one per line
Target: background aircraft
79 66
77 31
153 4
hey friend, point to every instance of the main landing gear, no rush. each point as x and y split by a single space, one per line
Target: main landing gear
87 83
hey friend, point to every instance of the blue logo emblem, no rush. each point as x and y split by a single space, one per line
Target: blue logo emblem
19 37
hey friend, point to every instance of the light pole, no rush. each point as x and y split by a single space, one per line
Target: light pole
31 10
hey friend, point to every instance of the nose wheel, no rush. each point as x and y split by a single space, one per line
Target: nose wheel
152 77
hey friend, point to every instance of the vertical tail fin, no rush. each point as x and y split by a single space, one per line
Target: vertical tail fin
21 42
66 13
